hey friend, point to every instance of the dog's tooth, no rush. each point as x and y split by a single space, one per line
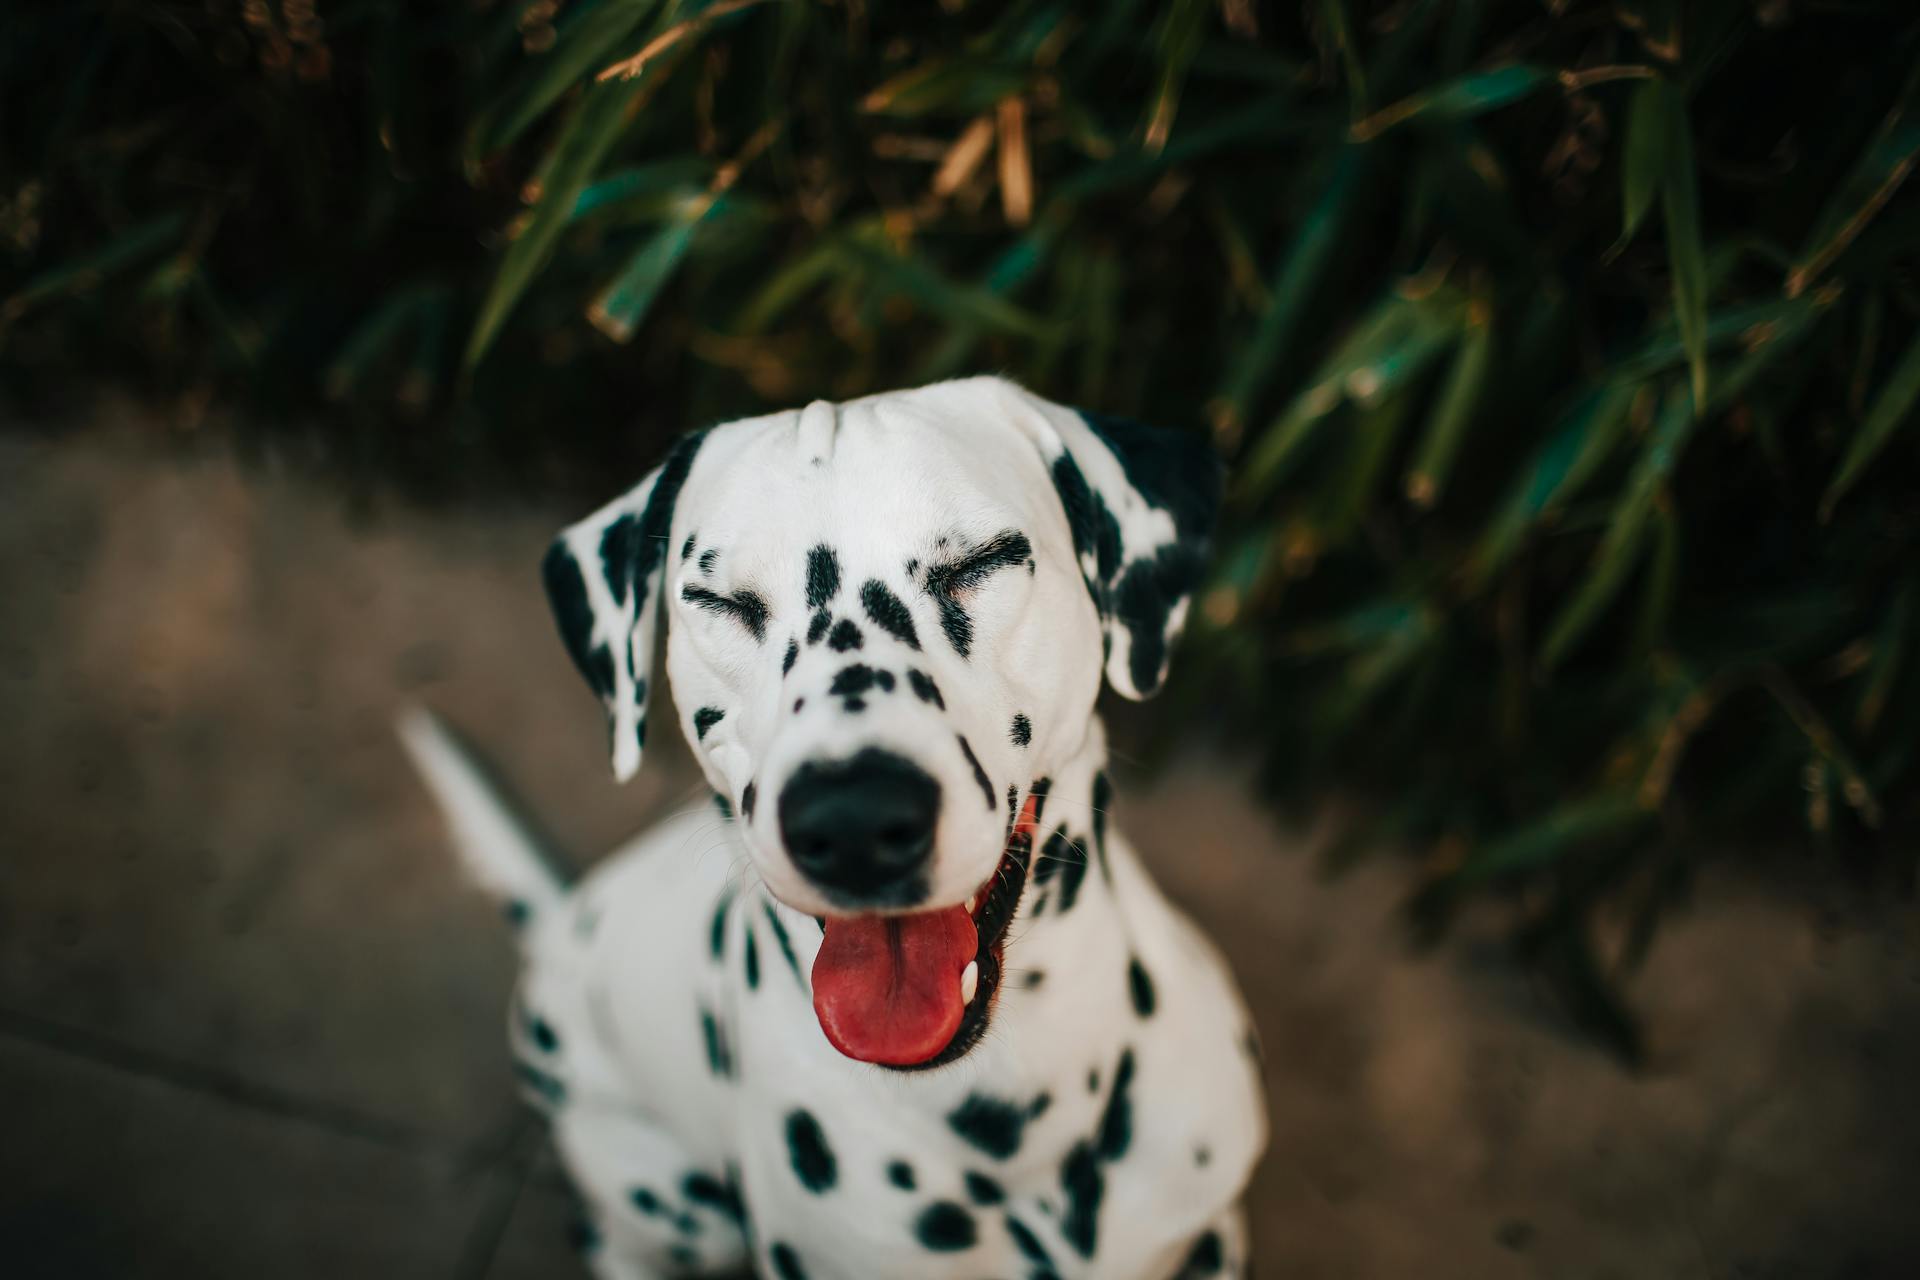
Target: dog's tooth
970 902
969 981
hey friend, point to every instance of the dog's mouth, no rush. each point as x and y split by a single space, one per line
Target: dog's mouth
915 990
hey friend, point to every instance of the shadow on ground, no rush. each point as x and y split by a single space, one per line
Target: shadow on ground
251 1021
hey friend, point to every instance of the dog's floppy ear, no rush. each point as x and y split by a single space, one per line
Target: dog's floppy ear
603 578
1141 503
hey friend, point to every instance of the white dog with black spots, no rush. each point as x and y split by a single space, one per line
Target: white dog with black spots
907 1006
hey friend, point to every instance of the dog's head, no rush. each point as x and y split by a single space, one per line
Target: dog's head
887 621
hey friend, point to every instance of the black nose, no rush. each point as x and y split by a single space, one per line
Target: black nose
861 828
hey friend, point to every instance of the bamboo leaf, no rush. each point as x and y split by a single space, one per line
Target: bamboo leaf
1454 409
1461 99
1178 40
1892 408
623 304
583 45
1644 158
1545 841
1680 200
1890 647
129 247
590 132
1620 547
1879 172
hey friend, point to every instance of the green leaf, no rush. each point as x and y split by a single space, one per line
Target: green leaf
1333 17
1680 200
1545 841
1644 156
1454 409
1891 409
583 47
1461 99
1886 164
675 176
913 277
130 247
377 335
1587 435
623 304
590 132
1620 548
1894 643
1301 269
1177 40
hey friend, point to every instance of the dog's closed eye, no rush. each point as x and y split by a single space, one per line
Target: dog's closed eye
950 582
744 607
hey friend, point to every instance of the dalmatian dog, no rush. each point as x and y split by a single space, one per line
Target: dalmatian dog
901 1003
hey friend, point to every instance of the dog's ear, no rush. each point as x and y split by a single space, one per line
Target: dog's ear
603 578
1141 503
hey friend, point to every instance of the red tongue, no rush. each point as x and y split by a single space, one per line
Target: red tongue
887 988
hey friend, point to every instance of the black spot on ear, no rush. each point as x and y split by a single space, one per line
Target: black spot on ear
807 1148
900 1174
817 626
785 1262
983 1190
793 652
1206 1258
979 774
1022 731
744 607
724 805
752 962
844 636
924 688
889 612
708 559
946 1227
746 802
1144 602
704 719
1175 471
717 931
823 576
686 548
1141 987
1095 532
1029 1244
567 593
719 1059
989 1124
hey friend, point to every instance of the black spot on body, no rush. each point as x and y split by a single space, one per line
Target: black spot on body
1206 1258
752 962
844 637
645 1201
900 1174
1116 1123
1033 979
992 1125
793 653
719 1059
807 1148
724 805
682 1256
1022 731
710 1192
983 1190
704 719
786 1263
946 1227
979 774
517 912
889 612
550 1089
823 576
744 607
1202 1156
1140 986
542 1034
717 931
817 626
746 802
786 943
1028 1243
1083 1185
924 688
708 559
1102 802
582 1236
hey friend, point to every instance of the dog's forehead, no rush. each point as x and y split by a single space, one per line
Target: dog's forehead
890 473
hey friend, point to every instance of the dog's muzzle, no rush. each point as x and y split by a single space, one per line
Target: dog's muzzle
861 829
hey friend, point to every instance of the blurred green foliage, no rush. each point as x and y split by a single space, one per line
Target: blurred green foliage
1567 353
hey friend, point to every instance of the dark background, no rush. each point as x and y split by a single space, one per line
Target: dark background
1543 752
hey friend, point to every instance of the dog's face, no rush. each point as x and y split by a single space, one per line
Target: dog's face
886 621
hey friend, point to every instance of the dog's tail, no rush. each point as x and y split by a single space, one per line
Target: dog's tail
500 847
